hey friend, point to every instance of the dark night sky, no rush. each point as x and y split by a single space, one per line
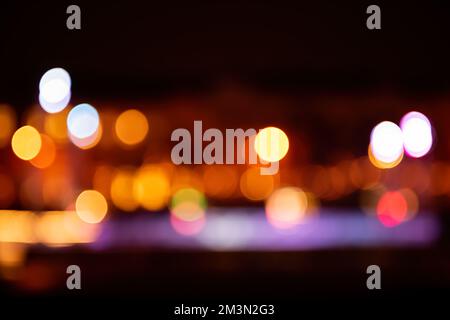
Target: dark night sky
139 49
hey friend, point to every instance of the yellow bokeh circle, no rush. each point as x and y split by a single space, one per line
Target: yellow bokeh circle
271 144
91 206
26 143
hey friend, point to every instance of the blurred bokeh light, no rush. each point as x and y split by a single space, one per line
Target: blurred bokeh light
83 121
91 206
271 144
151 187
26 142
392 208
54 90
255 186
286 207
46 154
122 195
417 134
386 142
131 127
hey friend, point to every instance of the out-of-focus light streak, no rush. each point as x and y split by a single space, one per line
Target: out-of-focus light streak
17 226
229 230
187 227
77 230
62 228
50 228
416 175
440 179
363 175
247 229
